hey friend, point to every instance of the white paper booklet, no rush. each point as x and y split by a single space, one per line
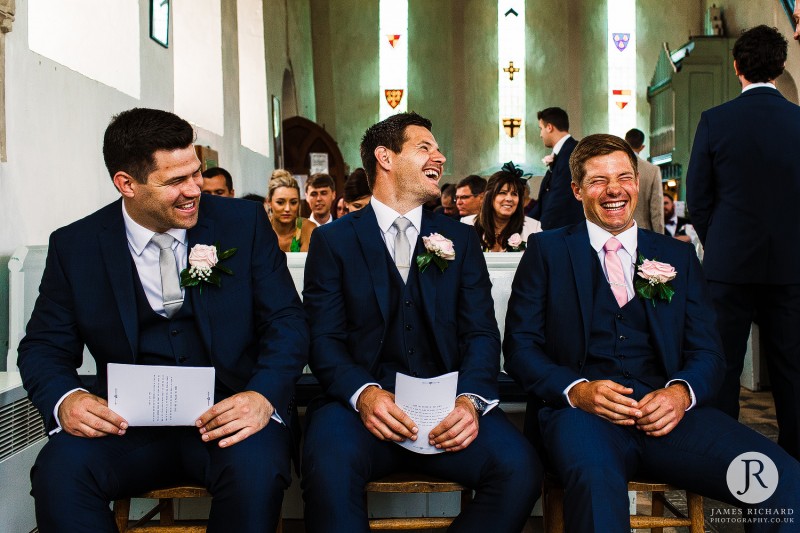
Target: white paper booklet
427 401
147 395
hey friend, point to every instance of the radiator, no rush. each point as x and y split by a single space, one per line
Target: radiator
22 435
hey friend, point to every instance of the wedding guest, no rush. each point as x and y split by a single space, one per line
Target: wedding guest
501 224
341 208
283 200
448 207
469 195
320 195
218 181
357 193
253 197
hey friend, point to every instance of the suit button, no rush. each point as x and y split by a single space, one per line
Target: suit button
414 374
182 359
408 327
411 351
580 363
622 337
626 374
174 332
408 303
621 357
619 316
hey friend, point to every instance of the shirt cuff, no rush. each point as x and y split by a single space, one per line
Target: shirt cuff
691 392
569 388
490 404
354 397
58 427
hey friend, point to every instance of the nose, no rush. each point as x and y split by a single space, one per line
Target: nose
193 187
439 157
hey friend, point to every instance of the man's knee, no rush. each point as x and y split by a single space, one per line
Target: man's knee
67 465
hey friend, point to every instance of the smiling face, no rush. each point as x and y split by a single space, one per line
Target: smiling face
285 204
609 191
418 167
505 202
170 198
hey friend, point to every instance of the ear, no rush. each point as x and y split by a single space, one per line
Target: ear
576 190
736 68
384 157
125 184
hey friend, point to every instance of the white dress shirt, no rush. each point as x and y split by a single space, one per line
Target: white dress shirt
560 143
759 84
627 255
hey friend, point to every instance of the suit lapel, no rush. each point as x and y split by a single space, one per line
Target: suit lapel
427 279
581 256
117 258
368 233
648 248
201 233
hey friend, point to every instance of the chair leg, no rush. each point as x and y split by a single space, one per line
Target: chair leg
466 498
122 509
695 512
657 508
167 512
552 508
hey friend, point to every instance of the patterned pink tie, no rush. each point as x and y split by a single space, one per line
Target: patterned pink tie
614 270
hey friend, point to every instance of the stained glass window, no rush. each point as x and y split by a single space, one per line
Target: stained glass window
511 79
393 58
621 66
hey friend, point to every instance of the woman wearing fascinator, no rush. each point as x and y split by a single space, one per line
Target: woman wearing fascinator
501 224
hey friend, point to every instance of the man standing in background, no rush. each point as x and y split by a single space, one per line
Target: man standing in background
743 183
649 212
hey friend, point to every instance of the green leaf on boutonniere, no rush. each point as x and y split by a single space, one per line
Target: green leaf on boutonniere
423 260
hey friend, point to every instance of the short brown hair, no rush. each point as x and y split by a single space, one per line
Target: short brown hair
318 181
391 133
595 146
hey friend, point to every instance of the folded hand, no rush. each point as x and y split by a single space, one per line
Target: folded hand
382 417
458 429
235 418
662 409
606 399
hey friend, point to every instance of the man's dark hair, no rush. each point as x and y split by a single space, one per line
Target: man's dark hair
449 190
391 133
760 54
668 195
635 138
133 136
356 186
597 145
213 172
475 183
555 116
320 180
253 197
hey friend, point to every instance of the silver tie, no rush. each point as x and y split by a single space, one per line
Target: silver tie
402 248
170 284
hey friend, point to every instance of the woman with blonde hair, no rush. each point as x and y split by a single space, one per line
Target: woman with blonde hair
283 206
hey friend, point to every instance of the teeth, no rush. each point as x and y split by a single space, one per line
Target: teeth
186 206
613 205
432 173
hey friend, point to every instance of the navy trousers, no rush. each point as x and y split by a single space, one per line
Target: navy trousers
75 478
594 459
776 308
340 456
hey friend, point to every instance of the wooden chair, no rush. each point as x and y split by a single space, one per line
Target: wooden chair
415 484
165 507
553 504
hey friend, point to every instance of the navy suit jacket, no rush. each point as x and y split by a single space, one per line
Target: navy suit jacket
742 187
556 205
253 326
550 314
346 296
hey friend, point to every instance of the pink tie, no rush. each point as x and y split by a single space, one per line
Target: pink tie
614 270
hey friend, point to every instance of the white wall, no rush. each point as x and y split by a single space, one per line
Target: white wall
56 118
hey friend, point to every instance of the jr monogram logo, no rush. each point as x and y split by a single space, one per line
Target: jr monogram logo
752 477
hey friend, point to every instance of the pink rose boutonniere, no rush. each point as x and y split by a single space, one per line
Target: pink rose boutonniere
548 159
439 251
653 280
204 266
516 243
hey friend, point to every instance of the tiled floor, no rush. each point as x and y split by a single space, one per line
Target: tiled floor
758 412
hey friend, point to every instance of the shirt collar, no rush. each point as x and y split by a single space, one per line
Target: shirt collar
139 236
560 143
756 85
598 237
386 215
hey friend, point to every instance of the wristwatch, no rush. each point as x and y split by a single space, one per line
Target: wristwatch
478 403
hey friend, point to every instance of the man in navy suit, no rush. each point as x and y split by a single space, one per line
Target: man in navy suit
742 191
105 286
556 206
620 384
373 313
